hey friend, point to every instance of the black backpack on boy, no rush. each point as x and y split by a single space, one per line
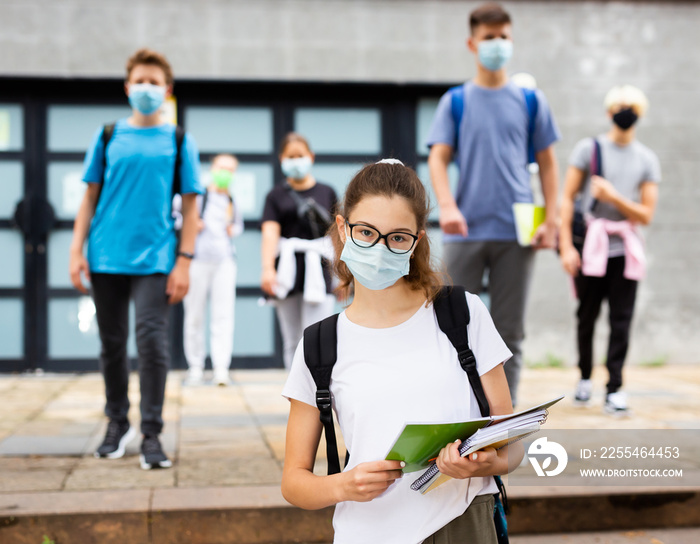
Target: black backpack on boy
320 354
108 132
578 223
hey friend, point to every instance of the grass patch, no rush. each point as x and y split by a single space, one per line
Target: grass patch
654 363
550 361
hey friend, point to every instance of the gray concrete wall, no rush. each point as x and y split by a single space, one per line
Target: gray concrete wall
577 50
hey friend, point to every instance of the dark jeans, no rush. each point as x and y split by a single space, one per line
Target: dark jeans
111 293
621 294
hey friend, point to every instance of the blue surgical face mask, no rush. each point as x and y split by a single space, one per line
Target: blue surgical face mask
375 267
146 98
495 54
296 168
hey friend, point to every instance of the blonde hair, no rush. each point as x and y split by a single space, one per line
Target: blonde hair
627 95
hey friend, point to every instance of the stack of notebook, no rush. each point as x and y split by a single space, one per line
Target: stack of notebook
419 444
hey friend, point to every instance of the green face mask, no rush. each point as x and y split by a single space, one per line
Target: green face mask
222 178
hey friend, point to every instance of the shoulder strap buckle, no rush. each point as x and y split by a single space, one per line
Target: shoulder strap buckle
323 400
467 359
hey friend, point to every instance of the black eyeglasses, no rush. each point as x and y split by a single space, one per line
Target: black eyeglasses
365 236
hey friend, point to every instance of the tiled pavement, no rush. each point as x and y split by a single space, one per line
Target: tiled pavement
227 443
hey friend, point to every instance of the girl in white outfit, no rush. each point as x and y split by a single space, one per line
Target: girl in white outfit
213 277
394 365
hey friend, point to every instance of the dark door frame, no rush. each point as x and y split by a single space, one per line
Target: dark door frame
396 102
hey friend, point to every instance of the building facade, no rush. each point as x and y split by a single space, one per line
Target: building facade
360 79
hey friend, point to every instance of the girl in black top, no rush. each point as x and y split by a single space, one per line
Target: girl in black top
297 212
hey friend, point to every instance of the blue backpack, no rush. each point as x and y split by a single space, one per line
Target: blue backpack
457 98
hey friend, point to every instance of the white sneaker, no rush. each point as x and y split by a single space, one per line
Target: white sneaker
584 389
616 404
195 376
222 378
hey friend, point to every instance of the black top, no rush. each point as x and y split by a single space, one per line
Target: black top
281 207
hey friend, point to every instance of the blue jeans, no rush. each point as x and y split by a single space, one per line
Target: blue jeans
111 293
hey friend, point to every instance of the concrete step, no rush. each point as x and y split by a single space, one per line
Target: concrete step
259 515
649 536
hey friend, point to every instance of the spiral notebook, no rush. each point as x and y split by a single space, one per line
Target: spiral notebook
500 431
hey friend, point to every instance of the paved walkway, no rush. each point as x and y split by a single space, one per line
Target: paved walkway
227 443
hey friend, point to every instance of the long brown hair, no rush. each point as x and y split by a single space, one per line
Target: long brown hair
383 179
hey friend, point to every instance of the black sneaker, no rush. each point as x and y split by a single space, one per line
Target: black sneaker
118 435
152 455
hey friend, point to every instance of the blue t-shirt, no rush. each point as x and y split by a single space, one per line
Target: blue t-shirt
132 231
492 155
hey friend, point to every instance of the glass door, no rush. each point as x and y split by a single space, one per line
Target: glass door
12 240
72 341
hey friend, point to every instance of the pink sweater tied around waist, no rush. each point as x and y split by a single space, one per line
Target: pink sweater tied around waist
595 248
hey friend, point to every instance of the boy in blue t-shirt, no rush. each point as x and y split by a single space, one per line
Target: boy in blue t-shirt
126 218
496 127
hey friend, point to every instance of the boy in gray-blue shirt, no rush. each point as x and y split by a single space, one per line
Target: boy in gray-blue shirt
491 135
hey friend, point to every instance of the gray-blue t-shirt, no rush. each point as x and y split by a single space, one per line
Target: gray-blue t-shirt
626 167
492 155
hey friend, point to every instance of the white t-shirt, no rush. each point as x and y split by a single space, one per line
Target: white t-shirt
213 242
384 378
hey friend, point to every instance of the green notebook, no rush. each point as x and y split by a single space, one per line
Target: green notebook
527 218
420 443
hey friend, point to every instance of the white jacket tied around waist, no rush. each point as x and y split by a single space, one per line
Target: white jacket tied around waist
313 250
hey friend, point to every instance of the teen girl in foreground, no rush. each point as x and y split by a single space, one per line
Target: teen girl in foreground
394 366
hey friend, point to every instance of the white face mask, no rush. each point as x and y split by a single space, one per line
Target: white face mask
146 98
296 168
495 54
375 267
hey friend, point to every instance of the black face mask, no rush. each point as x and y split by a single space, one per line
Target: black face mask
625 118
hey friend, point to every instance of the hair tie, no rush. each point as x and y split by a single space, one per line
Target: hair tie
390 161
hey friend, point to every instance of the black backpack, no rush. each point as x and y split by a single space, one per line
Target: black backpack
320 354
578 223
310 211
108 132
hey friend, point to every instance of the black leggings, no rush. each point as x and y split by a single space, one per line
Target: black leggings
621 294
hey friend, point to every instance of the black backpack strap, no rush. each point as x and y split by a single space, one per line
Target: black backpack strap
596 167
107 133
320 354
452 312
179 138
309 210
205 197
